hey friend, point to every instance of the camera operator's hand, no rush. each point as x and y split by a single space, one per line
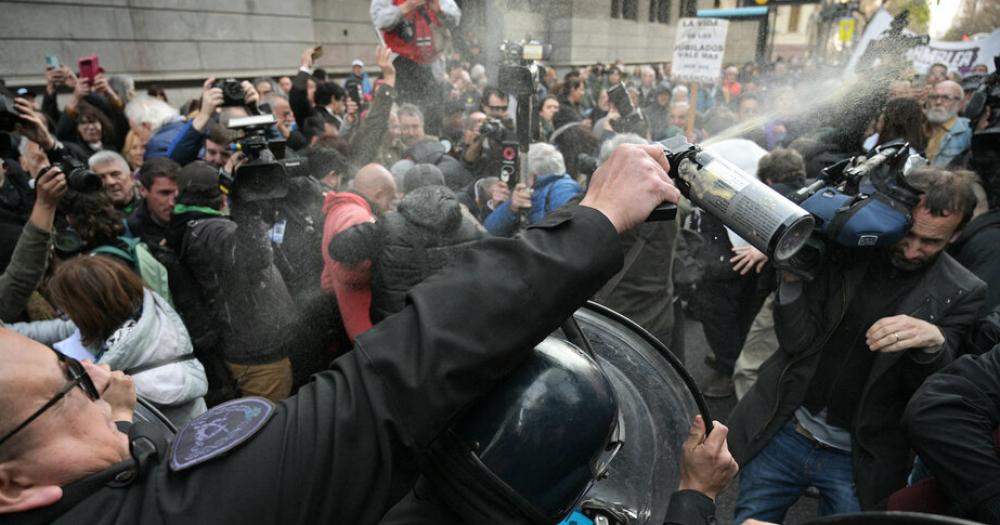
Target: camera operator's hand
902 332
410 5
211 99
234 162
383 56
50 186
748 258
251 96
32 125
632 182
707 465
521 198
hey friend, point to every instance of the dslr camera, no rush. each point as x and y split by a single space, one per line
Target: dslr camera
232 92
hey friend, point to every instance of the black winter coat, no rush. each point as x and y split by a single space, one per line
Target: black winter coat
427 233
948 296
952 423
233 263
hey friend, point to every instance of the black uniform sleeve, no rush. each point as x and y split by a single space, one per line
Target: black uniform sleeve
345 448
690 507
951 421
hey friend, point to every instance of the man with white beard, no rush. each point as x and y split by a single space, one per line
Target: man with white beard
951 135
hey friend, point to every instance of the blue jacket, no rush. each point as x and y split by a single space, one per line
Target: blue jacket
955 143
550 192
177 140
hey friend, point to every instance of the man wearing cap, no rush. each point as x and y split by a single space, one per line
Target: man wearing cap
357 76
231 259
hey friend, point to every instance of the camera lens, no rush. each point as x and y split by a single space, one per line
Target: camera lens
84 181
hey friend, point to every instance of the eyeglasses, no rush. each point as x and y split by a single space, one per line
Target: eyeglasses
78 376
497 108
951 98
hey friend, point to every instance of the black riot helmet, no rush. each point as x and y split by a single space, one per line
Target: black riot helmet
529 450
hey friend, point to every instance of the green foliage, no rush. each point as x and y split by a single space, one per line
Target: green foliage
920 13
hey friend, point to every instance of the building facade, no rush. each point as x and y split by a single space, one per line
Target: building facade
182 42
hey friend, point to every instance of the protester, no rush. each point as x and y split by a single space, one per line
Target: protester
130 328
950 134
427 232
550 187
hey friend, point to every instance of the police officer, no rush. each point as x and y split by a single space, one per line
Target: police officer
345 449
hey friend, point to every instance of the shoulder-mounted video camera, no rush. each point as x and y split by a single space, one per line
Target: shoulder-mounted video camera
265 174
858 203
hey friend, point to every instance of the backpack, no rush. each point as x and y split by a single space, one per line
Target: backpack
138 255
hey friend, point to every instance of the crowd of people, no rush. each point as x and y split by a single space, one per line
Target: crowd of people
139 238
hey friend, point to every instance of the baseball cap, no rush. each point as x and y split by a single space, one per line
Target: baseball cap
357 62
199 177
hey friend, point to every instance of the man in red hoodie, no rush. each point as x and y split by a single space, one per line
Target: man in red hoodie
372 192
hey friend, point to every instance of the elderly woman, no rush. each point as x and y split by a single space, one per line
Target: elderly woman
550 188
130 328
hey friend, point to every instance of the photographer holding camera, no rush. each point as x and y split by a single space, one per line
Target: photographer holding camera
855 342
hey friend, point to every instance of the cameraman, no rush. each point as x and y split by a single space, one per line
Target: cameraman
855 343
475 157
231 259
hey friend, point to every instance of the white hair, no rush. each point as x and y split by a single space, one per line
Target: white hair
611 144
105 157
647 70
544 159
152 111
676 92
124 85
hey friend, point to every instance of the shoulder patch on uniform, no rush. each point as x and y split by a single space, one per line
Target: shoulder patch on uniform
218 431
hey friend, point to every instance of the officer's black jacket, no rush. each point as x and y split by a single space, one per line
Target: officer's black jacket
345 449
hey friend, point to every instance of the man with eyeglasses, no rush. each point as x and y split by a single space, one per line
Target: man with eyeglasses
59 418
951 135
346 448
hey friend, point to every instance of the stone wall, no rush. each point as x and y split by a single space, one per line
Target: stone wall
180 42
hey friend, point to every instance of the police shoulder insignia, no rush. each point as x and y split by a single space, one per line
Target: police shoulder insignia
218 431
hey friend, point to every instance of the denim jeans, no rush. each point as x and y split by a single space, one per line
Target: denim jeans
773 481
